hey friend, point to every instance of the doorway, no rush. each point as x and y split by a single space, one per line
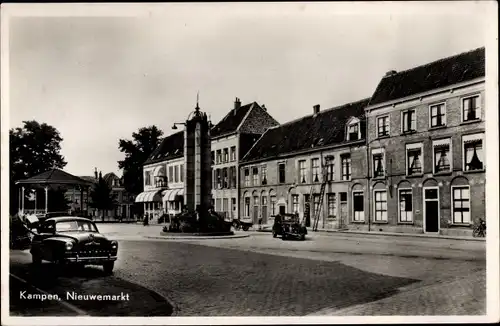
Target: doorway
431 210
282 209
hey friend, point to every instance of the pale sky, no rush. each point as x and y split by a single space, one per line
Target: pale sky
98 79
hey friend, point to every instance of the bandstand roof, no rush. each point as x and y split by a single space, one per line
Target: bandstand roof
54 176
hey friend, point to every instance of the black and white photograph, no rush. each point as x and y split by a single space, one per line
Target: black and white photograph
264 163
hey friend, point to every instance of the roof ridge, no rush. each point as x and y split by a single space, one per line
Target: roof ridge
435 61
320 112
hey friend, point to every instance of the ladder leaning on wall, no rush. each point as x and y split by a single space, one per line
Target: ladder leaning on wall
317 212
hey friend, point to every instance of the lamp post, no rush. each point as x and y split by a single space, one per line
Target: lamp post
174 126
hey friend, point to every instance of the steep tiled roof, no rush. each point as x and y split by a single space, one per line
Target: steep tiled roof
170 147
441 73
324 129
88 178
231 121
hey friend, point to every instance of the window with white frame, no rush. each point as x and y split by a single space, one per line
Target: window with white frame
380 205
437 115
219 179
219 156
316 199
471 108
171 174
442 155
383 126
295 203
405 205
176 173
263 174
408 121
315 169
147 178
212 155
181 173
353 130
225 183
247 206
247 177
346 166
473 152
233 153
226 155
273 205
461 204
378 163
358 206
332 205
255 176
330 168
414 159
302 171
233 177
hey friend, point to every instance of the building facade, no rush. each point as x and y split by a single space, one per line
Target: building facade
231 139
283 172
163 174
426 145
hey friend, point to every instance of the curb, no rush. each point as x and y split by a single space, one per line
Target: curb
235 236
393 234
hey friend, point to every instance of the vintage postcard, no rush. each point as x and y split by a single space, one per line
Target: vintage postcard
262 163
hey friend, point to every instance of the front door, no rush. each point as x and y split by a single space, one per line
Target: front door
431 209
256 214
264 214
343 214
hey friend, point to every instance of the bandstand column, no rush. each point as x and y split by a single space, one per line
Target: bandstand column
46 199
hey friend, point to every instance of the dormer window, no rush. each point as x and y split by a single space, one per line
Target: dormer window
353 130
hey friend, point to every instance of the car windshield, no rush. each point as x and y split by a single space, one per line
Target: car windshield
75 226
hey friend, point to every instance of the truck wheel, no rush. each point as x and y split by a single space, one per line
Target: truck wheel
108 267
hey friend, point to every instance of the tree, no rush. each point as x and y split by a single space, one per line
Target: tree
101 196
34 148
137 152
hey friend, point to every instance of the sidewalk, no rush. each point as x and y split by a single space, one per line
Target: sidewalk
460 296
268 228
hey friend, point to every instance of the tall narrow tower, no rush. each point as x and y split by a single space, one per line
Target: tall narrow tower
197 162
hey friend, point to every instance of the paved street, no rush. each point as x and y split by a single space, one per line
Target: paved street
328 274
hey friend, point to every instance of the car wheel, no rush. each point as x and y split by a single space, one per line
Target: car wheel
303 237
283 237
245 228
36 259
274 234
108 267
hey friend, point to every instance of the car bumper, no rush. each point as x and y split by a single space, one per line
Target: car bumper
90 260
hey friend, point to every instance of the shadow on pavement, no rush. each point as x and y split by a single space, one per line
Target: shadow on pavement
81 287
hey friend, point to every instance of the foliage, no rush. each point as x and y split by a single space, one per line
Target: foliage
137 151
34 148
101 196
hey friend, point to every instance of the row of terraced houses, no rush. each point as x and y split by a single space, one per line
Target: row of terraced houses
409 158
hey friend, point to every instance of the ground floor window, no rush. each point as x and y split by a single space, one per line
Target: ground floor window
247 206
461 205
358 206
380 205
273 205
332 205
405 205
217 205
295 203
225 205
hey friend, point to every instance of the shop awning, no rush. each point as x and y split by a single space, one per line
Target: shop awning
148 196
173 194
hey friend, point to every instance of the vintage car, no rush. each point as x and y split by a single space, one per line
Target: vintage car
288 226
74 240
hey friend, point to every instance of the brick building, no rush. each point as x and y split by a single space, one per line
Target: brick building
231 139
289 162
426 145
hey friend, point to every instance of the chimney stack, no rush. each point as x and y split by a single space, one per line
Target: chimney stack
264 107
316 109
237 103
95 173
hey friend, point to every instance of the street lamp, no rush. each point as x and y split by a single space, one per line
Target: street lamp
177 123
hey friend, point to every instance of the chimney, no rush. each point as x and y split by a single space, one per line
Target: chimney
264 107
237 103
95 173
316 109
390 73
